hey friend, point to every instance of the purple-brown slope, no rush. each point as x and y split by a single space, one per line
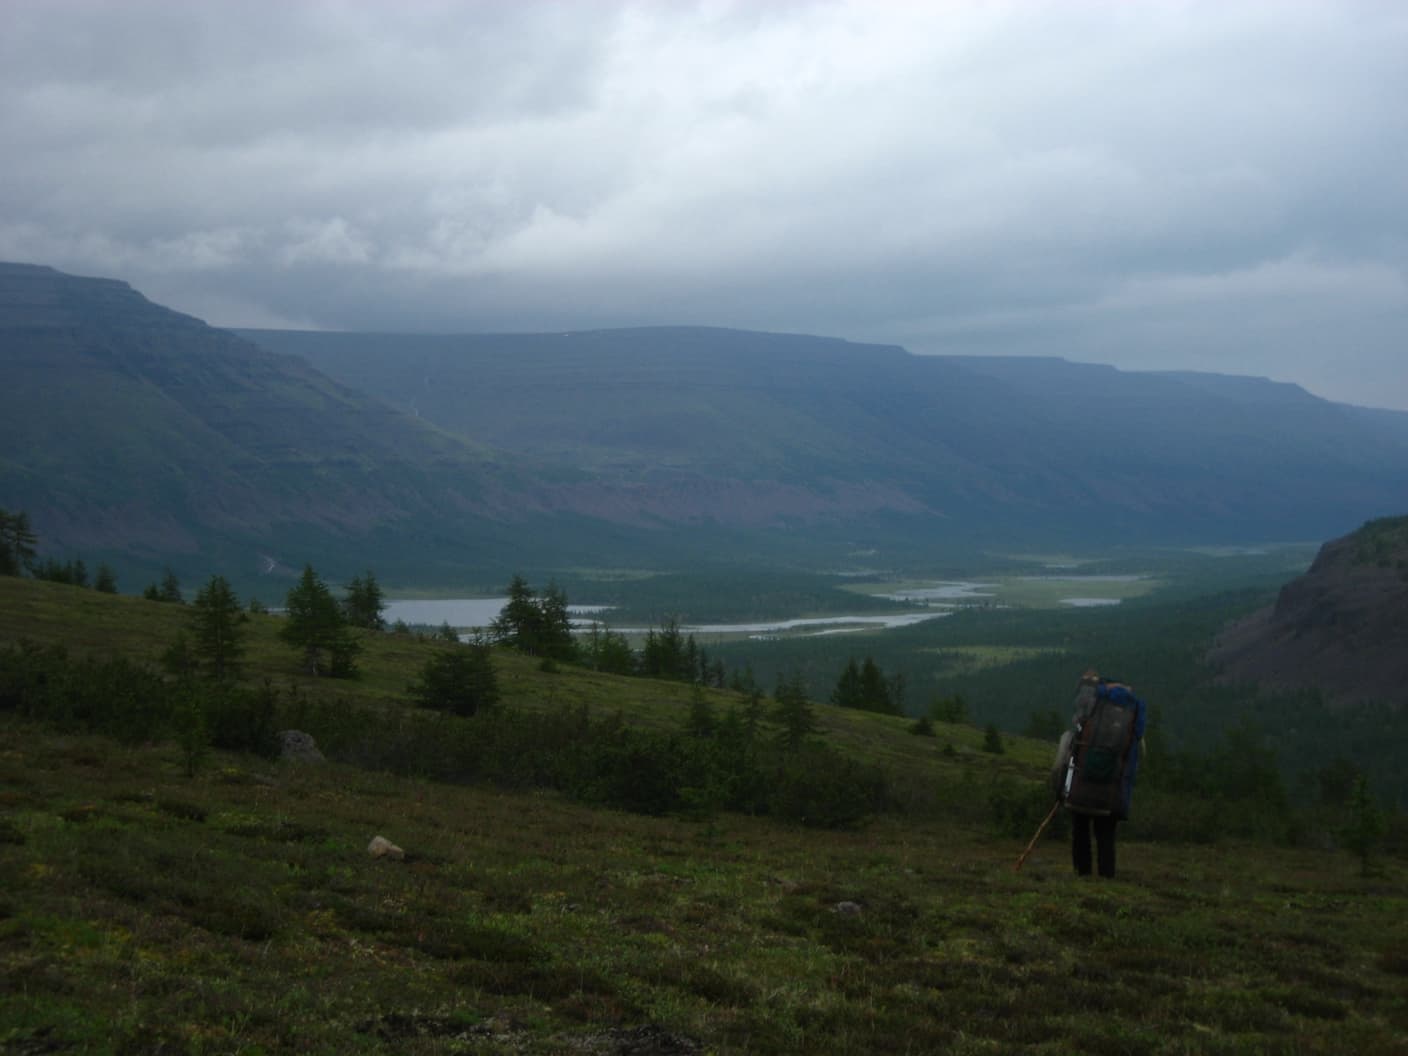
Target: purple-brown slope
1342 627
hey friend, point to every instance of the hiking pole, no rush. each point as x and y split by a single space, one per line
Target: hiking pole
1042 828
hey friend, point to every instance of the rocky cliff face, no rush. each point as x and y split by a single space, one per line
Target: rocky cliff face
1342 627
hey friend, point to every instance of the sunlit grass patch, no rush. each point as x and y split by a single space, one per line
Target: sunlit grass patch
968 659
1057 590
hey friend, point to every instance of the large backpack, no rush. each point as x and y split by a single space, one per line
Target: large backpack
1096 753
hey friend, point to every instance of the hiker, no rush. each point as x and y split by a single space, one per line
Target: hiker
1099 784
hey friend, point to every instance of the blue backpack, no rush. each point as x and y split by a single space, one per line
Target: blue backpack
1096 760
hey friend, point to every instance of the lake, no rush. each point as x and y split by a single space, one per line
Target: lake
934 601
457 612
811 627
463 613
466 613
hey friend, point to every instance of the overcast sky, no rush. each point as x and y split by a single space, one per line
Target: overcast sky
1158 185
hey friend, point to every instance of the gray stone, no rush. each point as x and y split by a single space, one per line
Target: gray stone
295 746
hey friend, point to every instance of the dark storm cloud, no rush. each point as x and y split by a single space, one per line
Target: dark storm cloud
1161 185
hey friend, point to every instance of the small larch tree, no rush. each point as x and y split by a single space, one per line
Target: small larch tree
364 603
536 625
315 625
606 650
169 590
106 580
17 543
460 680
847 693
216 626
669 653
793 712
874 688
1366 825
864 686
952 709
702 721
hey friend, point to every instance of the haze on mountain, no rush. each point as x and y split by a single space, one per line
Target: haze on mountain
135 431
1211 186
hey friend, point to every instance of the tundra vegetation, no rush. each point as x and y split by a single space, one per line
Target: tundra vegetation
599 863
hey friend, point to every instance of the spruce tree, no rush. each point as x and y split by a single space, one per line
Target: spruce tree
793 712
170 589
518 623
702 722
364 603
216 619
460 680
847 693
874 690
1366 825
105 581
17 543
556 625
667 653
953 709
609 651
314 624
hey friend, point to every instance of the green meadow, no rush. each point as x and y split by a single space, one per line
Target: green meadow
148 909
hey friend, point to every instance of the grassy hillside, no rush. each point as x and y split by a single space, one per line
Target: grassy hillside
118 625
237 910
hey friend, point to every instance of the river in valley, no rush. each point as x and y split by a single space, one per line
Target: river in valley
927 601
466 614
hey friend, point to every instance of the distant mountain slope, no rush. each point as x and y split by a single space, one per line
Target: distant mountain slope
127 426
129 429
1342 627
702 421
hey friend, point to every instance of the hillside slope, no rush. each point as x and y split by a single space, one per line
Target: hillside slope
1340 628
739 426
127 426
152 905
129 431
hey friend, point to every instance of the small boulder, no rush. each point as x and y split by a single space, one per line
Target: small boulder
381 847
847 909
295 746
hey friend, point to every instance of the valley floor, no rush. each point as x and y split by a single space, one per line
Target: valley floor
239 912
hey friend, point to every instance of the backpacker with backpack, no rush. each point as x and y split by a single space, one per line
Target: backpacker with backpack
1096 761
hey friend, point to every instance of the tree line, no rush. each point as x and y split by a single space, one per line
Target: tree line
1235 787
539 623
756 755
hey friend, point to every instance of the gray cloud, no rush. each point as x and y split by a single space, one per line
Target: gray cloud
1194 184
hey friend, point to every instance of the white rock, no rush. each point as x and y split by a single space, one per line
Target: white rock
381 847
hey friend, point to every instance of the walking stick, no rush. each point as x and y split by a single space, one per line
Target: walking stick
1042 828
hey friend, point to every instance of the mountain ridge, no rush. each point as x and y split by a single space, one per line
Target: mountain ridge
130 429
132 426
991 441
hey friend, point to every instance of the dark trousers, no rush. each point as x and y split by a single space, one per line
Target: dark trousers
1104 843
